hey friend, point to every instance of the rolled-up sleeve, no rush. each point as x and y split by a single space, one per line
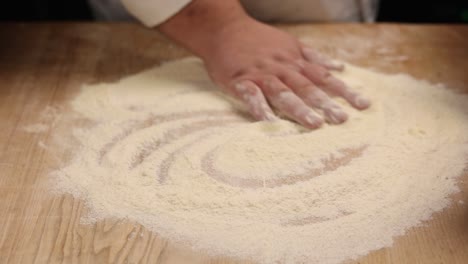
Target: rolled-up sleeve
153 12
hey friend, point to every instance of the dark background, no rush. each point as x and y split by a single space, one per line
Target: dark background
429 11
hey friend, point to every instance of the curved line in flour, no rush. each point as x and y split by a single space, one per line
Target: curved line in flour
155 120
176 133
165 166
223 118
328 164
313 219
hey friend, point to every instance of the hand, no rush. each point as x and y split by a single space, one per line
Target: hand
259 64
262 66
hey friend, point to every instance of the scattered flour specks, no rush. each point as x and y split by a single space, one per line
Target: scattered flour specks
46 120
169 151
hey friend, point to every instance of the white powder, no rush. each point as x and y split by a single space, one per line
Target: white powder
50 115
168 151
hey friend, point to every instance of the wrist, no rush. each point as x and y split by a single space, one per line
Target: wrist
201 25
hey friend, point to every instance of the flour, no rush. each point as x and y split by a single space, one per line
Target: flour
169 151
48 118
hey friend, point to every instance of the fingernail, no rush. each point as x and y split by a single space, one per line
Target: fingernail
333 119
313 120
362 102
337 66
271 117
337 116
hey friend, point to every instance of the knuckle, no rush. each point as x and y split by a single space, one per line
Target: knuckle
318 98
282 56
244 72
270 83
299 64
246 88
319 94
288 74
317 73
238 73
287 100
263 64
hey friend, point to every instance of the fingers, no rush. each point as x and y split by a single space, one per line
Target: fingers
314 97
295 87
319 76
354 98
315 57
252 96
317 72
284 99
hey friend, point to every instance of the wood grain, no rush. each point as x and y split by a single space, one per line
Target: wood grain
45 64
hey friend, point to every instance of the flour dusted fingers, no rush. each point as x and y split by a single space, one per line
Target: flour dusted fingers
286 101
322 78
314 97
252 96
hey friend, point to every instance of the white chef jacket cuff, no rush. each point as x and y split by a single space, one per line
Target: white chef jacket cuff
154 12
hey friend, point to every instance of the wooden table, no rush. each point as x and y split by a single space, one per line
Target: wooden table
45 64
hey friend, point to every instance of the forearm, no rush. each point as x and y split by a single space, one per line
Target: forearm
199 23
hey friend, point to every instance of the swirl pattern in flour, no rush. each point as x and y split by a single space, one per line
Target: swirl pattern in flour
168 151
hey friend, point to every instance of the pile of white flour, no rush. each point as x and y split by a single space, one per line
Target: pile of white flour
170 152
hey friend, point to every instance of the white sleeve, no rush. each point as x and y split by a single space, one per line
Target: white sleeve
154 12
